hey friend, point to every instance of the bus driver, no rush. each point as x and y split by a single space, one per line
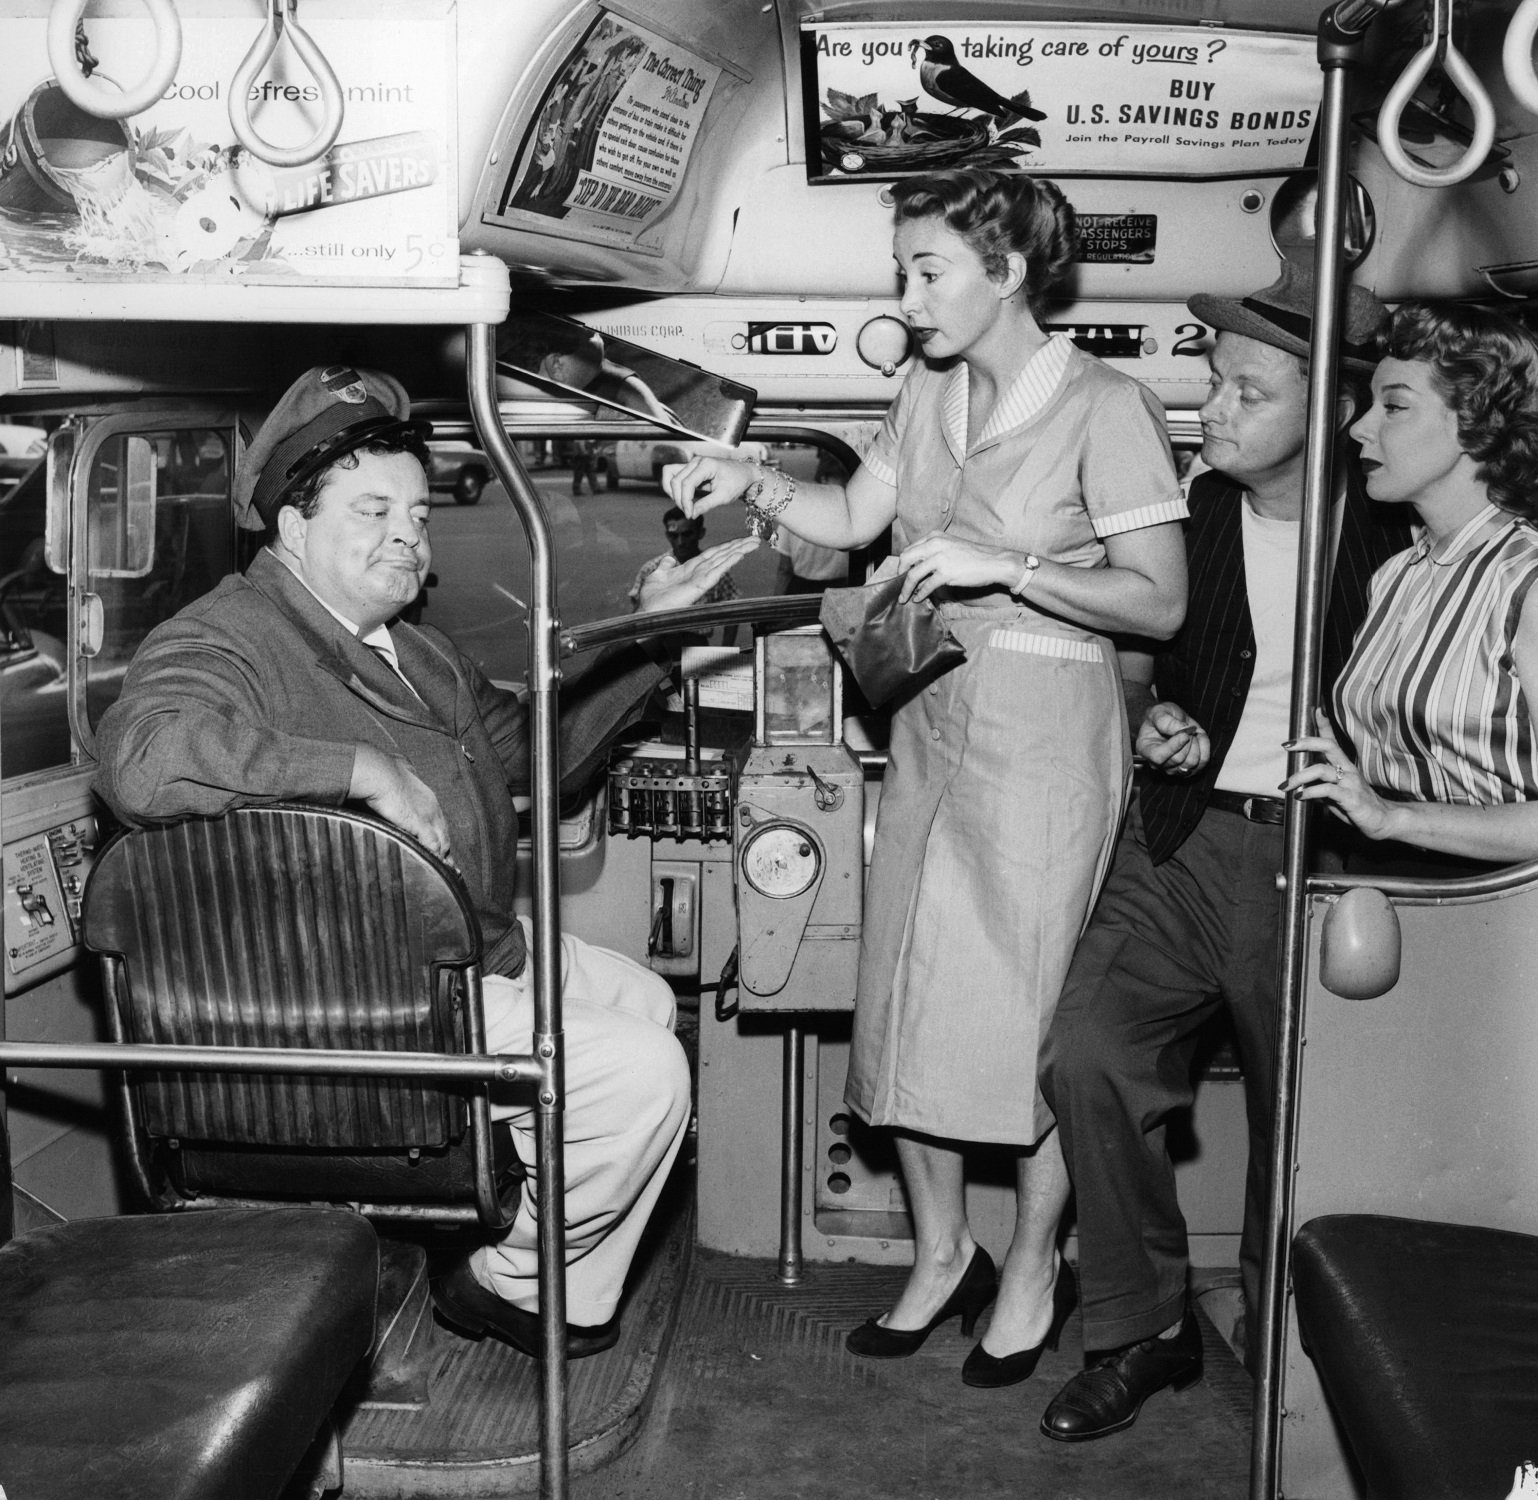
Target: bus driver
290 683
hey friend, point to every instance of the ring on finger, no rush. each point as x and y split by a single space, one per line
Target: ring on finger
1339 771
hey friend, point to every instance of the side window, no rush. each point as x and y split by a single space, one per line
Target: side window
34 703
158 533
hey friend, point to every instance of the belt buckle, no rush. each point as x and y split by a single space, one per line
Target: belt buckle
1247 808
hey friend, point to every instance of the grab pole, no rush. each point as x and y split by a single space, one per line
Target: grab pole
1341 33
549 1038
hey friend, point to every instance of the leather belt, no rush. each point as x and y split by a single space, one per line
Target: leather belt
1256 809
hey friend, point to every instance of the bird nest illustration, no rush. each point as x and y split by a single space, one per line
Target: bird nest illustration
866 135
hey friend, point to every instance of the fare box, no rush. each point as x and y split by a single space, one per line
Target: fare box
170 194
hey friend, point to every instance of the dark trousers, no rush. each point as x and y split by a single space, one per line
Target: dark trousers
1167 945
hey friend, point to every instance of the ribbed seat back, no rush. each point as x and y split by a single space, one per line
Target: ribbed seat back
284 927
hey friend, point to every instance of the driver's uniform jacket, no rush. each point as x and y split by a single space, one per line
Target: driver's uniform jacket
256 693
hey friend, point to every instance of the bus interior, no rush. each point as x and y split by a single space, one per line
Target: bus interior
448 189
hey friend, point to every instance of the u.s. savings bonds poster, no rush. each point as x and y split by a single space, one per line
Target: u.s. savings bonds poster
888 100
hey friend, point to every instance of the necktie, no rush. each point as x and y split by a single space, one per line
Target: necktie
392 664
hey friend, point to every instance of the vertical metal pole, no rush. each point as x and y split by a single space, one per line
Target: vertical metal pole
1338 52
549 1039
790 1157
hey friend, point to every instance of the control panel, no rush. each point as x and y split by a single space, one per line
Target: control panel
799 848
45 875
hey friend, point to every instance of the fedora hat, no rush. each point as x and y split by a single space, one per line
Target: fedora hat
1282 315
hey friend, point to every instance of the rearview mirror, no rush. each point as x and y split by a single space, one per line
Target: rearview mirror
538 353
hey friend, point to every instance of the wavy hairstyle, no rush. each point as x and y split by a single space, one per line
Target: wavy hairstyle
996 213
1485 367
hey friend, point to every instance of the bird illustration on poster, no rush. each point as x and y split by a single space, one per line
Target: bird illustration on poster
944 78
980 127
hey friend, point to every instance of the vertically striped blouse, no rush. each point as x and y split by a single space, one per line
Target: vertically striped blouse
1430 697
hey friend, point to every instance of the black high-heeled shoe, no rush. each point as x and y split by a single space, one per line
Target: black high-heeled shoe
992 1370
978 1286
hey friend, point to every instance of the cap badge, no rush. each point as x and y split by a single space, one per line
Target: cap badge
343 382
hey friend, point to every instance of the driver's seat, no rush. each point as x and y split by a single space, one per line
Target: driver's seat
298 927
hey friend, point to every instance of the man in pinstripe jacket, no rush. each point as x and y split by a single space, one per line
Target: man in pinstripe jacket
1189 916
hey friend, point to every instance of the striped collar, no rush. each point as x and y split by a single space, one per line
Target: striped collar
1465 540
1028 393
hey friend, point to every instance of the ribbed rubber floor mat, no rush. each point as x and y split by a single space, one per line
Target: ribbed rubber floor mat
478 1438
733 1306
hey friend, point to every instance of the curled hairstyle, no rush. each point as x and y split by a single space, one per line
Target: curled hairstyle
305 498
996 213
1485 367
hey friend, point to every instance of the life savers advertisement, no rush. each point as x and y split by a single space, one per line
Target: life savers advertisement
157 142
887 100
606 152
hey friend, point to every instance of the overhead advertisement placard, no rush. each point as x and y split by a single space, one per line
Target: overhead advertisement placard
605 153
890 100
168 193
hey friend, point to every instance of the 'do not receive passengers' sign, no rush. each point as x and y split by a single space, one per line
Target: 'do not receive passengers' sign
1059 99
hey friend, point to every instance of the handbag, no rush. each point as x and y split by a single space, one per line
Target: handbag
888 646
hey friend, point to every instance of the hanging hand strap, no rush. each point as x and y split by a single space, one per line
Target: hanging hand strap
1517 55
96 97
1439 49
283 21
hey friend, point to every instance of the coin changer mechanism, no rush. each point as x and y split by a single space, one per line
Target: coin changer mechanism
44 882
792 803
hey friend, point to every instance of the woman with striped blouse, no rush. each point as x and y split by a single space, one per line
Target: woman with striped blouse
1433 697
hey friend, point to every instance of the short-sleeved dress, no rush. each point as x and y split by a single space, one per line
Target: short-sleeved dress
1008 776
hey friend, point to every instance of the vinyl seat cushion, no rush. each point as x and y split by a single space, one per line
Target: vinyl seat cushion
187 1356
1425 1337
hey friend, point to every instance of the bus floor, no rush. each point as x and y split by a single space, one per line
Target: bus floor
758 1400
729 1385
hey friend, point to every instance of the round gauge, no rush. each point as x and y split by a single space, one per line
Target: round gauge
780 861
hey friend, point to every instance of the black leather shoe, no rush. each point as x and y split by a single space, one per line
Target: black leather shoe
469 1309
990 1371
1108 1395
978 1285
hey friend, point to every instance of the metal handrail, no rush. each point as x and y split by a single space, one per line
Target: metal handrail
1439 50
132 1056
1419 890
283 21
1517 55
549 1037
89 95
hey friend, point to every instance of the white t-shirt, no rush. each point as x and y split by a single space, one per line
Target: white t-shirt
1256 764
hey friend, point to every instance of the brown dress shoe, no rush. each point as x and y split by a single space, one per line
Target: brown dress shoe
1108 1395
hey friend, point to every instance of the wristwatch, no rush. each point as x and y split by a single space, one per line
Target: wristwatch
1028 572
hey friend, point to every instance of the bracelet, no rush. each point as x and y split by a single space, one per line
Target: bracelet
762 508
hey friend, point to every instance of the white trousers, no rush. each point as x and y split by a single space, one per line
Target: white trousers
627 1108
